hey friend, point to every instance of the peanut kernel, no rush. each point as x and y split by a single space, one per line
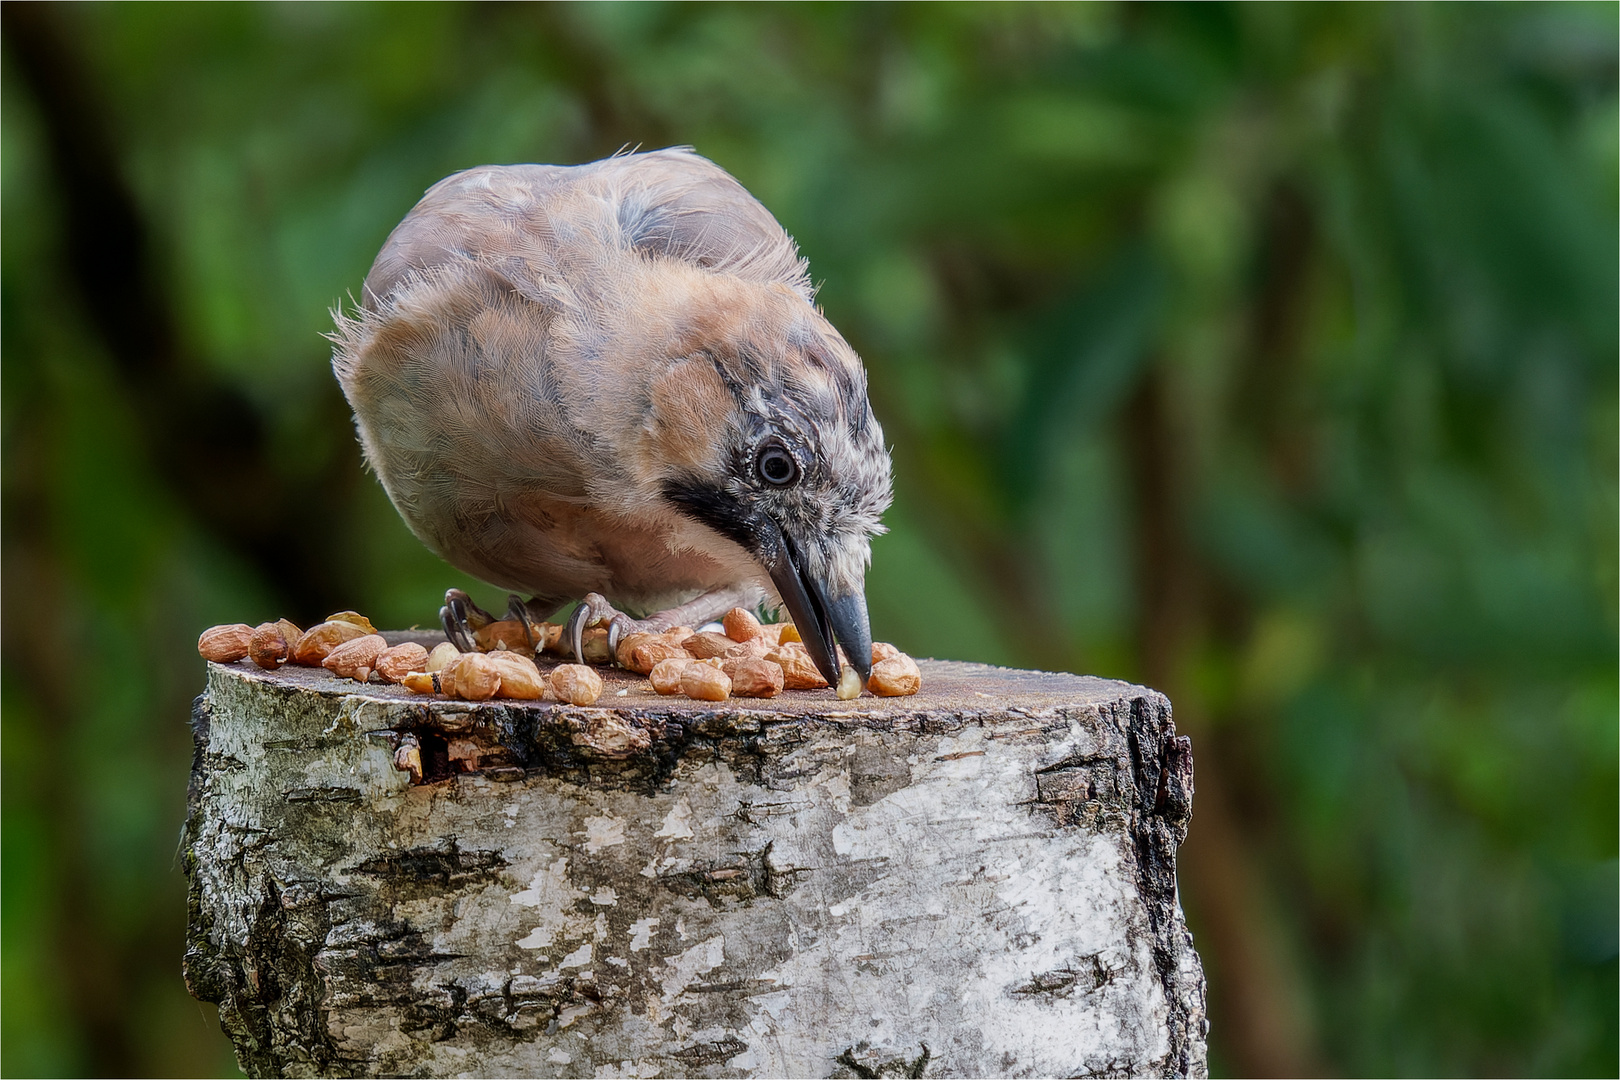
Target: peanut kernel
318 641
408 758
400 660
595 643
895 676
225 644
700 682
849 684
741 625
354 618
754 677
701 646
355 659
799 672
520 678
576 684
418 682
474 677
269 645
507 634
666 674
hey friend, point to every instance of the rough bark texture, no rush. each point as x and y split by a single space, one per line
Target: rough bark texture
978 880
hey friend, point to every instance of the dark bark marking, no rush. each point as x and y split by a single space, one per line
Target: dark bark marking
711 1053
896 1067
433 870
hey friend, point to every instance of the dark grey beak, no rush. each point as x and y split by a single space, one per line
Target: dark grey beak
820 616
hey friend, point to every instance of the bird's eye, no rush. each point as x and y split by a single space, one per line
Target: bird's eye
776 466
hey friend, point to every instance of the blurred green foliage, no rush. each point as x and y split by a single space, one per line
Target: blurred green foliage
1265 353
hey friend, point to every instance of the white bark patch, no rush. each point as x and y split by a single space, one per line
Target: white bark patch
603 832
681 970
677 823
550 892
641 932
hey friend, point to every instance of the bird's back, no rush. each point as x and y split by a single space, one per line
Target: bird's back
672 203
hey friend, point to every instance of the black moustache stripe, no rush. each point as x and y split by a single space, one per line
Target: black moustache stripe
709 505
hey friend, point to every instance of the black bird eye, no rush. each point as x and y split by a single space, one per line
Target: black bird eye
776 466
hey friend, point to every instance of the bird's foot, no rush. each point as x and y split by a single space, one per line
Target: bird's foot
462 619
472 629
594 610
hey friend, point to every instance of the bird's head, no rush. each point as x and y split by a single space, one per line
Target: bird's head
765 435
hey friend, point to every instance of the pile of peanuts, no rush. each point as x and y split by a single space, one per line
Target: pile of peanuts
747 660
753 660
348 645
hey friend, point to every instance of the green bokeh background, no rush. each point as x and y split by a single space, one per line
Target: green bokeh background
1265 354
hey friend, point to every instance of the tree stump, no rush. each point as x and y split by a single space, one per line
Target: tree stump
978 880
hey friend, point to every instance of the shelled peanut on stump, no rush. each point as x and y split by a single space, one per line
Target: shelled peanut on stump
752 649
895 676
225 644
849 684
799 672
642 652
319 640
576 684
741 625
508 635
701 682
595 642
666 674
272 643
355 659
753 677
706 644
520 677
419 682
355 618
472 677
396 662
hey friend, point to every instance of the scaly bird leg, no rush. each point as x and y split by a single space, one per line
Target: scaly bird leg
595 610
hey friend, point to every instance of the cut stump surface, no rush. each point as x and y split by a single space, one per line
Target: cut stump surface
978 880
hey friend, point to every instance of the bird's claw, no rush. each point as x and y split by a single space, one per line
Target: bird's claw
517 610
576 631
618 626
593 611
461 618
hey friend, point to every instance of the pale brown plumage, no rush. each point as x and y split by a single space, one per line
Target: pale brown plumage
582 380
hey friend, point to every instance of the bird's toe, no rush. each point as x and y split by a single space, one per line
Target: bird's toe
462 618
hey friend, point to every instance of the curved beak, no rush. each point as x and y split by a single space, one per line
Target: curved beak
824 618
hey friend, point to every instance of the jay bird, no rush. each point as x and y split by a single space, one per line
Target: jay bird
610 383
